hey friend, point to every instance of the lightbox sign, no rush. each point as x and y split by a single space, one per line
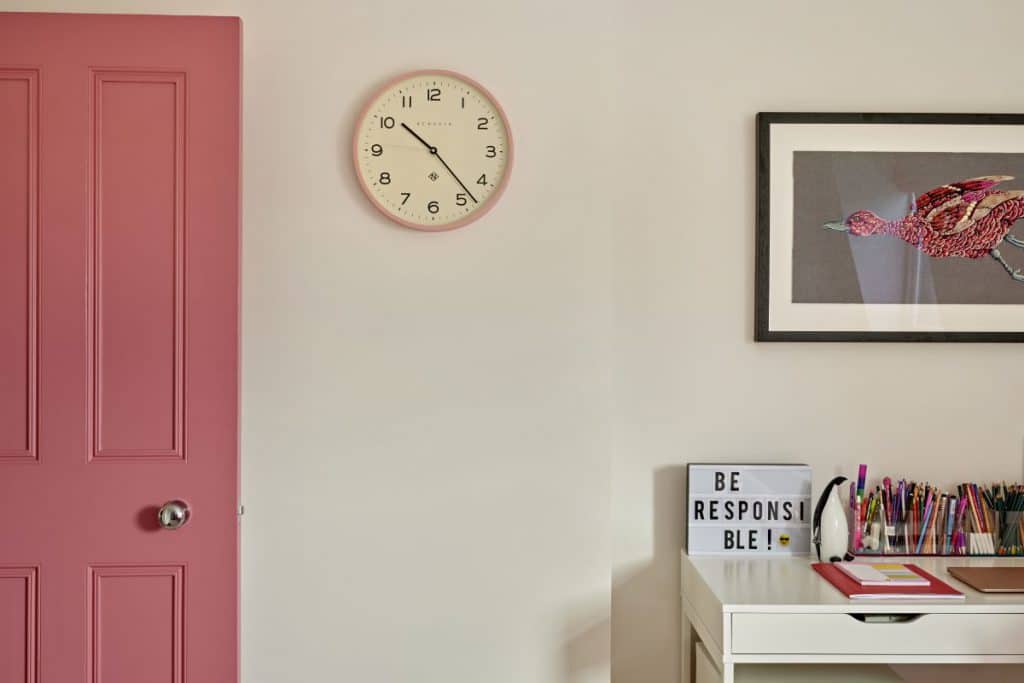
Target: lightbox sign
749 510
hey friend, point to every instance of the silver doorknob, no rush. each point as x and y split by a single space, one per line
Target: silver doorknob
174 514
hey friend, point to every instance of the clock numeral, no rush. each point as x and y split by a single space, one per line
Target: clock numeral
482 180
481 123
492 152
433 207
406 101
433 94
385 178
387 122
460 199
376 150
463 102
405 197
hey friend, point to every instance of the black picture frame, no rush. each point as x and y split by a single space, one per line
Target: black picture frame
762 330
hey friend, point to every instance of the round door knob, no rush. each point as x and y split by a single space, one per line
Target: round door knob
174 514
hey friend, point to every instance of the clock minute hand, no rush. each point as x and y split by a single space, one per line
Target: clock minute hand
456 178
433 150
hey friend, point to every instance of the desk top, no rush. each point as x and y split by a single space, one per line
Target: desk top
789 584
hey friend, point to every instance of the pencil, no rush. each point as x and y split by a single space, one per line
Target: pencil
924 524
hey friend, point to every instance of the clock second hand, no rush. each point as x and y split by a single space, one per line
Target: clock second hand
433 150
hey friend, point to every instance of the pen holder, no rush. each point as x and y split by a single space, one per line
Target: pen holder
911 518
1004 536
1011 541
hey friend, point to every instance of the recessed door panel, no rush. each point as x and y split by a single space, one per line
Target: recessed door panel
138 238
137 616
18 622
19 158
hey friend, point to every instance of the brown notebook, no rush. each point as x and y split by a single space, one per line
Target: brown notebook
991 579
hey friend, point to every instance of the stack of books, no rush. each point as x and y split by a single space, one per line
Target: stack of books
859 581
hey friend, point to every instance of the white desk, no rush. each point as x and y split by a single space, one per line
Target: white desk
778 610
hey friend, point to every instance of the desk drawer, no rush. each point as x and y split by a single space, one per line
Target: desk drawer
926 634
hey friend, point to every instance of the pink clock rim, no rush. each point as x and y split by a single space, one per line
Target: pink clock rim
488 203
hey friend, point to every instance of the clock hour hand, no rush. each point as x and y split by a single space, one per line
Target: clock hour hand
433 150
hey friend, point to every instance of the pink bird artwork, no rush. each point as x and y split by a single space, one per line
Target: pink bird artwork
967 219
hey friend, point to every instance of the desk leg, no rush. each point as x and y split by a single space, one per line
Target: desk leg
688 667
688 653
690 664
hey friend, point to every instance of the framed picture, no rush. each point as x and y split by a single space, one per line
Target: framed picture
890 227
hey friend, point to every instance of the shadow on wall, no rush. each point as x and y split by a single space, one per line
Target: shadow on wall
585 652
645 599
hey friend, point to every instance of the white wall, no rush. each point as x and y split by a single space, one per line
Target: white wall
449 440
426 456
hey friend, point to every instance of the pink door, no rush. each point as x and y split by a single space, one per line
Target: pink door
119 223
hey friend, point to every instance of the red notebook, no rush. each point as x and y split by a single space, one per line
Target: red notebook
936 590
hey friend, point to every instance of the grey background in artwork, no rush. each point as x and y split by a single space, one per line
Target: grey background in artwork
834 267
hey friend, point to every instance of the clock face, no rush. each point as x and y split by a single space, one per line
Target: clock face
433 150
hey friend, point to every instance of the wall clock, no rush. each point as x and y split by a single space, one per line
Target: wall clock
433 150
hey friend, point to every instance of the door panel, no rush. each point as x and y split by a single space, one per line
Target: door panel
138 240
119 231
19 140
136 617
19 601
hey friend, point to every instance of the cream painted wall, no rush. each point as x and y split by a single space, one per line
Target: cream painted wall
426 457
449 440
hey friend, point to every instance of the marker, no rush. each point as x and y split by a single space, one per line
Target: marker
950 515
858 529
